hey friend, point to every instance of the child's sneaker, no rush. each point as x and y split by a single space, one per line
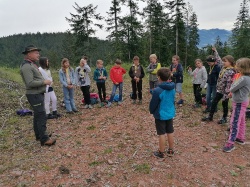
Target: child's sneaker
180 102
228 148
207 119
222 120
197 105
170 152
134 101
239 141
108 105
159 154
90 107
86 106
140 102
119 103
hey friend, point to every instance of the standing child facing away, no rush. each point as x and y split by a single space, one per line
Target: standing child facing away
83 80
162 96
177 76
223 89
199 81
136 73
152 69
49 94
116 76
240 90
100 76
67 79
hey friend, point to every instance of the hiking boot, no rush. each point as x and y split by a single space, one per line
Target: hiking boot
86 107
90 107
222 120
207 119
239 141
170 152
56 114
51 116
197 105
207 110
101 104
140 102
49 142
159 154
180 102
228 148
75 110
134 101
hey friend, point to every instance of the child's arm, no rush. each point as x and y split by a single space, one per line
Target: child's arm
218 58
112 76
155 101
131 74
190 72
123 71
105 73
96 75
157 68
87 68
238 84
228 80
149 70
63 82
179 71
73 81
77 75
204 78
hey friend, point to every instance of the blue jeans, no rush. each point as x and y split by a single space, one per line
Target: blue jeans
69 99
120 86
211 92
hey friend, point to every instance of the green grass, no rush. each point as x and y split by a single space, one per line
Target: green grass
95 163
143 168
108 150
91 127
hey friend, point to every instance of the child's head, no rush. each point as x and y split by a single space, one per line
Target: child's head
99 64
44 62
85 57
198 63
136 60
164 74
243 66
211 60
118 62
175 59
82 62
228 61
65 63
153 58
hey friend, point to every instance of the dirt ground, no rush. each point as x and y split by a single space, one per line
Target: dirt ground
112 147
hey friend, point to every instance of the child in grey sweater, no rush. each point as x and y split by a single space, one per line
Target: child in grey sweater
240 90
199 81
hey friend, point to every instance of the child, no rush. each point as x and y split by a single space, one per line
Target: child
163 96
153 67
214 70
199 80
100 76
223 88
240 90
83 80
136 73
177 77
49 94
116 76
67 79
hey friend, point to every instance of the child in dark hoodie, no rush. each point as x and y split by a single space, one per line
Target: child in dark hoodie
100 76
162 96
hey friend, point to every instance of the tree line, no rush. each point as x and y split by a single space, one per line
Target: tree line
164 28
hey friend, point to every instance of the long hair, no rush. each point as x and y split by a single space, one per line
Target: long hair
63 66
243 66
43 62
230 59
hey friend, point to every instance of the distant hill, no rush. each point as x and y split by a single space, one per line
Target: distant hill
209 36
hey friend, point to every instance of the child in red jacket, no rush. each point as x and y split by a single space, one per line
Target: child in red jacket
116 76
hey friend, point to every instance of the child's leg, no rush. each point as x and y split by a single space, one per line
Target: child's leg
98 84
67 99
71 97
170 133
162 143
54 100
86 94
194 91
113 93
151 85
242 125
134 96
225 108
215 101
198 94
120 91
104 91
47 102
139 88
171 140
208 95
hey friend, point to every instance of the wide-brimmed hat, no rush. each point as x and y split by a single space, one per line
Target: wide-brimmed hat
30 48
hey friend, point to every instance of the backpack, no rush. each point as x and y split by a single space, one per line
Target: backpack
94 98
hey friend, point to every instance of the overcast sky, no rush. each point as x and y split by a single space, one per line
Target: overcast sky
24 16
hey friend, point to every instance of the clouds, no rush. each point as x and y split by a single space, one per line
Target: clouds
49 15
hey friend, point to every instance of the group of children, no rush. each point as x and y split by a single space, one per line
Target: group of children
221 82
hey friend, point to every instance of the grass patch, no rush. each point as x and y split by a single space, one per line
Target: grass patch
233 173
95 163
91 127
143 168
108 151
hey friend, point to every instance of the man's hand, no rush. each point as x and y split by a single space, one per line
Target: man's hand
47 82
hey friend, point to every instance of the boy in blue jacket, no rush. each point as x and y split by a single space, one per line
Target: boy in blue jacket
100 76
163 109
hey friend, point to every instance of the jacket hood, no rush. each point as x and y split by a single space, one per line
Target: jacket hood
167 85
